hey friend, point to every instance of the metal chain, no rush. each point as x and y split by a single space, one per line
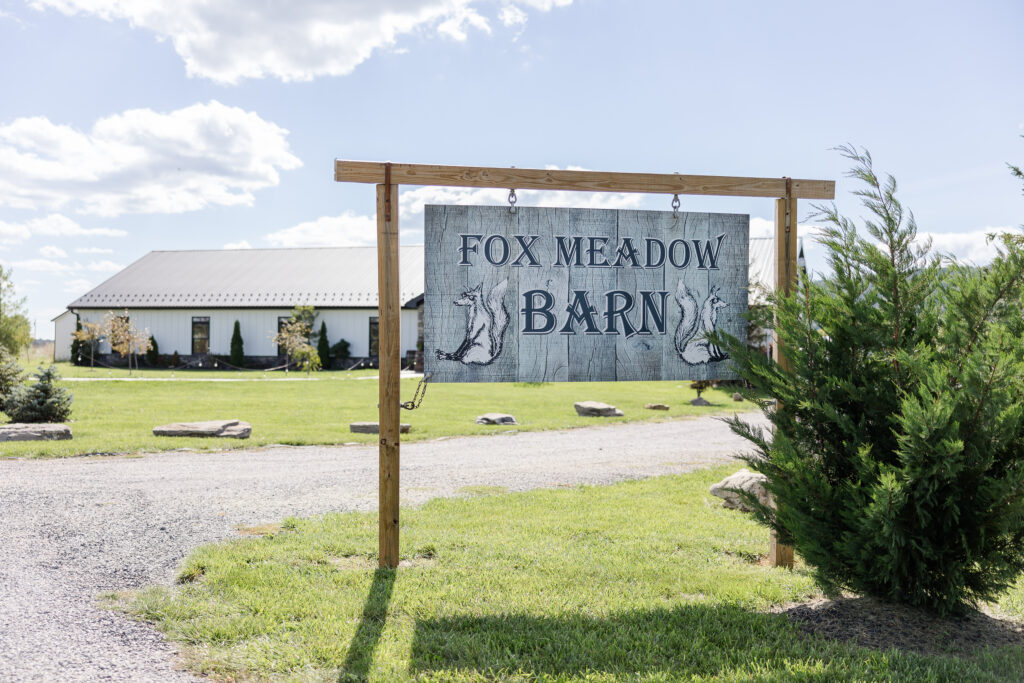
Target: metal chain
417 397
675 205
512 199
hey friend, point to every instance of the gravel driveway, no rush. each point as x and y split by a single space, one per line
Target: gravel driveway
74 528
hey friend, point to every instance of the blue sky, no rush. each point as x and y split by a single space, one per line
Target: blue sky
128 126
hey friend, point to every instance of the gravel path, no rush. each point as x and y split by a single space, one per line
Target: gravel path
74 528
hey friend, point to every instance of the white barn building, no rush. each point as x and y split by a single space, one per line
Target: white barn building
189 300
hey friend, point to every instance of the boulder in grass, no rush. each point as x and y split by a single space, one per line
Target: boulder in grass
596 409
656 406
744 480
496 419
699 402
226 429
374 428
22 431
737 396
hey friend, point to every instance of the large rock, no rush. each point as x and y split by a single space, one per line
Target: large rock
744 480
656 406
737 396
596 409
230 429
496 419
20 431
699 401
374 428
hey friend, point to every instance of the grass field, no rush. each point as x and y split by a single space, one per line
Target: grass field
117 416
642 581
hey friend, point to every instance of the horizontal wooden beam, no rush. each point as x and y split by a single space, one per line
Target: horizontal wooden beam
580 181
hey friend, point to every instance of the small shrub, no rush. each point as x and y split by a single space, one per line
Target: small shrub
43 401
175 360
340 350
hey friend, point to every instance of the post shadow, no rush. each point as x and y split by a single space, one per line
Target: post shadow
371 624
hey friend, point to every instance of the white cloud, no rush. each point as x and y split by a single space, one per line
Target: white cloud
244 244
40 265
77 286
230 40
347 230
456 25
104 267
411 202
51 251
93 250
512 16
968 247
54 225
142 161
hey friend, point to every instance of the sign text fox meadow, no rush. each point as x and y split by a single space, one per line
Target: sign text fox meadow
581 294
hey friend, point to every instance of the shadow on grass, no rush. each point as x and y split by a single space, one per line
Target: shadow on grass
686 640
371 624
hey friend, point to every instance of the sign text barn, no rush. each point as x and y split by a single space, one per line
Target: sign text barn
552 294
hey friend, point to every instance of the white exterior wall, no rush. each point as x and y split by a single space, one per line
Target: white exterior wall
63 327
172 328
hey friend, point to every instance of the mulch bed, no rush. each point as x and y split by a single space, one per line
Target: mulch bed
873 624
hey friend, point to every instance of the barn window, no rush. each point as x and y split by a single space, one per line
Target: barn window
200 335
374 335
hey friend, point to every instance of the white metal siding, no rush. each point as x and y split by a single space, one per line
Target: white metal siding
63 327
172 328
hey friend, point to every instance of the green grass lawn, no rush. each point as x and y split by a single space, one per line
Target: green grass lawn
648 581
118 416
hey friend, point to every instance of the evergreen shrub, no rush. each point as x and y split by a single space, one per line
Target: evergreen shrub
42 401
323 348
77 345
237 357
11 376
897 460
153 353
341 350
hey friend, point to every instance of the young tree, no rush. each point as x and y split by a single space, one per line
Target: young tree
323 348
895 459
15 331
237 350
124 337
91 334
306 315
294 339
42 401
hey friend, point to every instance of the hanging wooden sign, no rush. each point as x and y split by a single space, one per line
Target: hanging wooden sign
555 295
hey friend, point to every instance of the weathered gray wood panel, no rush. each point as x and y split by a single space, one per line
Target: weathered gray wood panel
581 294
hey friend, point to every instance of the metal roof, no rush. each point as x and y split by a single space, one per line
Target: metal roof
761 275
344 277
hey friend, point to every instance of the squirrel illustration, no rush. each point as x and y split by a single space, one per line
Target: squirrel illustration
486 321
691 340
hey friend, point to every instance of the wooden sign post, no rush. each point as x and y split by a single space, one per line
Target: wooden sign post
389 176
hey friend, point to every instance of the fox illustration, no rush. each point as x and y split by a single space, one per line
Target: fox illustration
691 340
486 321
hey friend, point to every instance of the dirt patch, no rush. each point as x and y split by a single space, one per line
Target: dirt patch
873 624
